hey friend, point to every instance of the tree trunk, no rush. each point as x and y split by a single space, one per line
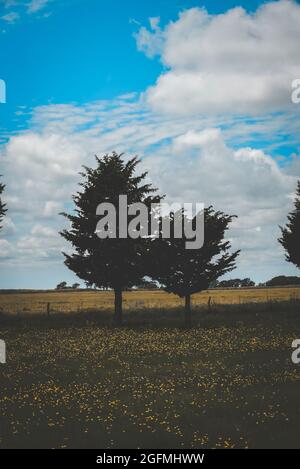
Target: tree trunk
187 311
118 317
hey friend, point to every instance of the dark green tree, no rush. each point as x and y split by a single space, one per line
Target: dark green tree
117 263
186 271
236 283
282 280
290 234
2 205
61 286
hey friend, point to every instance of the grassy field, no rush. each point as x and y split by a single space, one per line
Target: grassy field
71 380
72 301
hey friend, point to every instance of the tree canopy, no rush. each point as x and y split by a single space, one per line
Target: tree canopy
2 205
116 263
186 271
290 234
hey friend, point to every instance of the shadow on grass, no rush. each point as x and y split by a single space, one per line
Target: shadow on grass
158 318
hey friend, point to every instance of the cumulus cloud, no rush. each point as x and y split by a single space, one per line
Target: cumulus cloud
41 172
246 182
201 148
45 163
236 62
201 167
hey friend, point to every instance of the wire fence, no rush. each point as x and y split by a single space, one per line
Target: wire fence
53 307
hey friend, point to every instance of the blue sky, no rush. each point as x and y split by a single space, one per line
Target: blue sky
83 51
180 87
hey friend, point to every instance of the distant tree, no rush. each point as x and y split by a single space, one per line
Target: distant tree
61 286
231 283
147 285
247 282
283 280
75 286
236 283
108 263
290 234
186 271
2 205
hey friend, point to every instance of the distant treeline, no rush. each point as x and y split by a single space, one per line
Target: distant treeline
279 281
282 280
233 283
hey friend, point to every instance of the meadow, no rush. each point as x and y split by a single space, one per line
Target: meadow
72 380
89 300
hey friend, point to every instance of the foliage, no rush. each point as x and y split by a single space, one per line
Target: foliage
117 263
283 280
187 271
235 283
3 209
290 234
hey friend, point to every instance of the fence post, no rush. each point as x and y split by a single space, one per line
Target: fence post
209 304
48 309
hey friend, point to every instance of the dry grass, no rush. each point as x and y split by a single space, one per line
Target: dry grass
71 301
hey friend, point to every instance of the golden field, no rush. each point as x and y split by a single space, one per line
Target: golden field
76 301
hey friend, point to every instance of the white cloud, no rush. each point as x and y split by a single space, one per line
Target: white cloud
43 231
11 17
52 208
37 5
8 227
200 150
6 249
19 9
235 62
247 181
44 163
38 247
201 167
189 159
150 42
